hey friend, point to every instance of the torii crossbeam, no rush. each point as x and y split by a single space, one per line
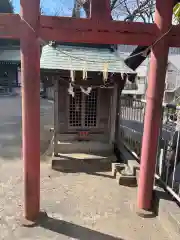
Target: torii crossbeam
98 29
30 26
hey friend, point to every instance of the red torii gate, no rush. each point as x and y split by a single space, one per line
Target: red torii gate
30 27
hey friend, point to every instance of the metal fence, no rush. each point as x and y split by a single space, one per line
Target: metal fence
131 124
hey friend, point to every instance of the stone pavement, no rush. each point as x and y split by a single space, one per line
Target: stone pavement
11 122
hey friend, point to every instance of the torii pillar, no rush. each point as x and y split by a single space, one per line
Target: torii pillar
30 65
156 84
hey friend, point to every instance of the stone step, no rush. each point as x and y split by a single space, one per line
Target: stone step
126 180
80 162
130 160
124 175
75 137
84 146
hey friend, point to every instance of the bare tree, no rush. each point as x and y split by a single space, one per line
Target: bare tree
54 10
133 10
78 4
127 10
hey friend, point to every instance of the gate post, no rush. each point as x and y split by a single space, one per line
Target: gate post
56 116
30 65
156 83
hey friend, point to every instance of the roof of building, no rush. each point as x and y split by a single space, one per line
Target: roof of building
10 55
79 58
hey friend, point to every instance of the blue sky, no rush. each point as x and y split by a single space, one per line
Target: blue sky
63 7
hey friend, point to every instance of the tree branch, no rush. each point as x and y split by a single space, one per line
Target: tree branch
137 10
114 2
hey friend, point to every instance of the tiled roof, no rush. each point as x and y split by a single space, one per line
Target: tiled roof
10 55
77 58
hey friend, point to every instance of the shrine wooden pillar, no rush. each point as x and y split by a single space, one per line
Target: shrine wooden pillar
30 65
156 84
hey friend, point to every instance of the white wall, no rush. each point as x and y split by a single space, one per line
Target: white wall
172 78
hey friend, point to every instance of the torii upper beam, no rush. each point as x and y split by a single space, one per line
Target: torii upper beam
97 29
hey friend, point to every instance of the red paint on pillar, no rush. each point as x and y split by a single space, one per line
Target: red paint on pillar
101 10
30 64
158 65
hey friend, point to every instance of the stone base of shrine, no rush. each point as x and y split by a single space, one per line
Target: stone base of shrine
82 162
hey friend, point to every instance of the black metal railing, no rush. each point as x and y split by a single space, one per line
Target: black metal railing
131 123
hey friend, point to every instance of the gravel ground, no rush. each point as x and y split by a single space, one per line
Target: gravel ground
79 205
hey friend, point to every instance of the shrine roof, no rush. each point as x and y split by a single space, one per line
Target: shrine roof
78 58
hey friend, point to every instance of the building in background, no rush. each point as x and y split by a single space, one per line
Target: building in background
138 89
9 65
172 87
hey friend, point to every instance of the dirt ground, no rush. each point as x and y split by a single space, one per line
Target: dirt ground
78 205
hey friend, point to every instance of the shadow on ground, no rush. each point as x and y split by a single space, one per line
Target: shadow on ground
71 230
